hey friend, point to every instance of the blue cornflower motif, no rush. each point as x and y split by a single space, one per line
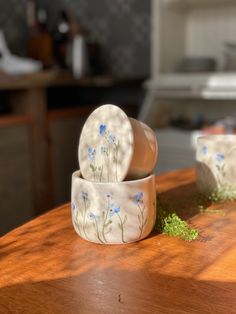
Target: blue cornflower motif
138 198
114 209
220 157
73 206
102 129
92 216
84 196
204 150
91 153
111 138
74 210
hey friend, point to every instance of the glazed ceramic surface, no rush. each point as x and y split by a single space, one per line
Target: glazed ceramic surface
145 150
113 213
113 147
216 162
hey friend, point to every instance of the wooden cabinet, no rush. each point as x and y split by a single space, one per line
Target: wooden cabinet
16 172
64 131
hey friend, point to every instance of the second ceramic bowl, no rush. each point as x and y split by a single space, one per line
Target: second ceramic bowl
216 162
113 213
113 147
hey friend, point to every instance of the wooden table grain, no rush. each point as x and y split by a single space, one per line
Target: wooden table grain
46 268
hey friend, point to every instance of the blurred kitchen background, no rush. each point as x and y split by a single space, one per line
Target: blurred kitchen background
170 63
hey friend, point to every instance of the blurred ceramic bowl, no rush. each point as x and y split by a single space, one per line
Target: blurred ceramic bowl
216 162
197 64
230 57
113 147
113 213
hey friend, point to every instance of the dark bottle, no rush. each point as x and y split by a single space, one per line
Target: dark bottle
40 42
61 39
42 20
31 15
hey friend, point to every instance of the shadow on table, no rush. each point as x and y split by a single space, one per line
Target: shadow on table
184 200
178 192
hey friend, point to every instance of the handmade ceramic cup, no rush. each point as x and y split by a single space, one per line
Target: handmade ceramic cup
115 212
113 147
216 162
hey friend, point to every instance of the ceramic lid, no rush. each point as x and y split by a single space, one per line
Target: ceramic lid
106 145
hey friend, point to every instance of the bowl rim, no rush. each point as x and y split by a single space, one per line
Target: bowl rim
217 137
78 175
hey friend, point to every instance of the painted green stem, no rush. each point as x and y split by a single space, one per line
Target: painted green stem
84 219
122 228
116 157
105 220
98 235
142 219
100 177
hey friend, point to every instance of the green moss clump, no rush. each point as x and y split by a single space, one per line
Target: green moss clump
226 193
168 222
176 227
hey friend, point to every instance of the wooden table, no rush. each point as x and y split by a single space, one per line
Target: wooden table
46 268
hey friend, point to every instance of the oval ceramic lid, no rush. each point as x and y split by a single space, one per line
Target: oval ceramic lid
106 145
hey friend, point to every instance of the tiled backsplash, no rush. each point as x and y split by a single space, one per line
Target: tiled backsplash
122 27
12 22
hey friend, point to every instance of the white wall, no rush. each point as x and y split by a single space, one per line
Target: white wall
208 28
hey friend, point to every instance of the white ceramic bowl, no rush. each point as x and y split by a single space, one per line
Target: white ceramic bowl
113 213
113 147
216 162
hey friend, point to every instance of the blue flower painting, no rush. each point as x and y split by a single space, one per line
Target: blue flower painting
75 217
74 210
220 166
92 216
204 150
220 157
84 196
73 206
102 157
138 198
112 217
102 129
91 153
114 209
112 138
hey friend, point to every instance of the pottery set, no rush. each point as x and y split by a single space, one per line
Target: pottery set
113 194
216 163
